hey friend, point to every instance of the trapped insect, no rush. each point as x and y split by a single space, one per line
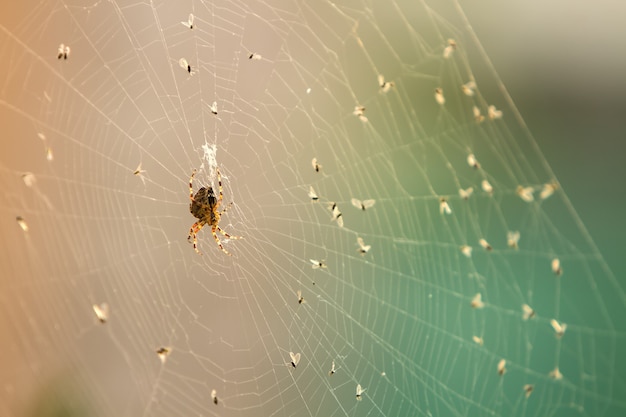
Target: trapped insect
556 374
559 328
449 49
487 187
466 250
468 88
439 98
485 245
63 51
467 193
493 113
478 340
363 248
336 214
213 107
358 111
102 312
528 389
556 267
525 193
332 369
312 194
189 22
300 297
185 65
501 367
214 396
363 205
512 239
22 223
385 86
359 392
317 264
477 301
163 353
472 161
527 312
547 190
478 117
444 207
316 166
295 359
255 57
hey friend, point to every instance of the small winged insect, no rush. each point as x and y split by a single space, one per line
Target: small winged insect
255 57
478 117
472 161
363 205
525 193
467 193
485 245
501 367
528 389
358 111
556 267
556 374
312 194
189 22
559 328
363 248
63 51
512 239
477 301
385 86
315 264
527 312
547 190
449 49
359 392
444 207
102 312
185 65
29 179
337 216
49 154
493 113
469 88
300 297
214 396
487 187
439 98
295 359
478 340
316 166
22 223
332 369
466 250
213 107
163 353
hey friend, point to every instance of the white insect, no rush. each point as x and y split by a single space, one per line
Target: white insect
336 214
312 194
102 312
466 250
477 301
185 65
163 353
525 193
527 312
363 205
472 161
478 117
363 248
332 369
449 49
255 57
300 297
213 107
316 166
502 367
189 22
385 86
485 244
556 374
512 239
528 389
556 267
444 207
548 190
22 223
214 396
559 328
295 359
63 51
439 98
317 264
493 113
487 187
29 179
478 340
358 111
359 392
469 88
467 193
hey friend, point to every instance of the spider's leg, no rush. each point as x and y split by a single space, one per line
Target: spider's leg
227 235
217 240
193 174
195 228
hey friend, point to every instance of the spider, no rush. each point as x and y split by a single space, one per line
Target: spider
205 207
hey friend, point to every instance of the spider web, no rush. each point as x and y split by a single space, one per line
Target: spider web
102 147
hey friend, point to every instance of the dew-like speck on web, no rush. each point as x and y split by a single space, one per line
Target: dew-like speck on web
439 98
512 239
362 205
444 207
189 22
295 359
102 312
465 194
477 301
501 367
527 312
525 193
559 328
